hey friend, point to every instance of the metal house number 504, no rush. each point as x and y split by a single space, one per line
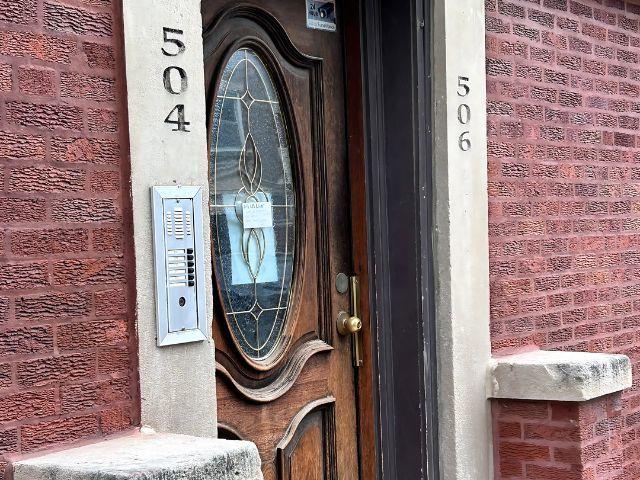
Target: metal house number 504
176 80
464 113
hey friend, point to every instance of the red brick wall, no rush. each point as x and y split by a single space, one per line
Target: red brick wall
560 441
66 368
564 182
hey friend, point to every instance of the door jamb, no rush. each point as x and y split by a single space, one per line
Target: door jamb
397 384
365 375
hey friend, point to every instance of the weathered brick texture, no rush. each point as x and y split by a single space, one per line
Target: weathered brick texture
564 186
65 348
558 440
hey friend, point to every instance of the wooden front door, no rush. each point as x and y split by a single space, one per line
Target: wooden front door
281 233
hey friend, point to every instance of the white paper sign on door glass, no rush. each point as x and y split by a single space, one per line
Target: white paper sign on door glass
257 215
265 265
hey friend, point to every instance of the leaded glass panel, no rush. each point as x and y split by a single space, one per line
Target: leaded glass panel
252 204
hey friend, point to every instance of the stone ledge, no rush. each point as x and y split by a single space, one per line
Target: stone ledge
558 376
147 456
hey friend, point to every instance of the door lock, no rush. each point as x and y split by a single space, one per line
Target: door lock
350 324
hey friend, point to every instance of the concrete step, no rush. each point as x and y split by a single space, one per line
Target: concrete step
147 456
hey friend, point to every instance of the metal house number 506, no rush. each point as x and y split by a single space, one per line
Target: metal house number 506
176 80
464 113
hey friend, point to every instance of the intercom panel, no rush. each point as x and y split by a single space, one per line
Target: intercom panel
179 264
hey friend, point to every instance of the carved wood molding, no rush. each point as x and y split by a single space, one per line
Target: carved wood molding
322 412
297 420
285 380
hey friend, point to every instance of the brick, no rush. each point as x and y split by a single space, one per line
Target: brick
41 372
88 87
113 360
26 340
99 55
42 47
88 271
582 9
496 25
627 56
47 116
628 23
82 210
524 409
85 150
23 12
511 9
8 441
6 379
27 405
37 81
96 3
524 451
46 242
17 146
53 306
499 67
110 303
563 433
102 120
543 472
107 239
86 335
543 18
6 80
530 33
555 4
105 181
14 276
46 179
91 395
115 420
40 435
77 20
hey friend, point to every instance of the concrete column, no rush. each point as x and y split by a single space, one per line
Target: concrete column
177 383
461 238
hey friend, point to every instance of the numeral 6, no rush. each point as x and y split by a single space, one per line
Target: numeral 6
464 142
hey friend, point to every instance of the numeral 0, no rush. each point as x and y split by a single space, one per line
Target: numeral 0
184 82
464 113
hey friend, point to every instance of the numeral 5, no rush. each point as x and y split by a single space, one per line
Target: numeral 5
463 88
179 44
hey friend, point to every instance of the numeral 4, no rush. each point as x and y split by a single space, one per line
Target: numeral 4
177 117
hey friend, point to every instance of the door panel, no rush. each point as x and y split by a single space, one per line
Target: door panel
285 376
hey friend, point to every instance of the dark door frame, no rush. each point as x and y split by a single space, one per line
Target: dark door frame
398 391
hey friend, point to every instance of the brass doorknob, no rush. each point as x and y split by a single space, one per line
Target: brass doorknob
347 324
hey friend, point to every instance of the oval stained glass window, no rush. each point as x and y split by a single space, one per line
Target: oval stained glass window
252 205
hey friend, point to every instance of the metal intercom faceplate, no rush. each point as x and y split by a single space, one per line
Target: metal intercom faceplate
179 265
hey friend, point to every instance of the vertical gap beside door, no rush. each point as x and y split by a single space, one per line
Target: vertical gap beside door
398 117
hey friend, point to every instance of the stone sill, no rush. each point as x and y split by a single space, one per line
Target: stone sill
558 376
147 456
